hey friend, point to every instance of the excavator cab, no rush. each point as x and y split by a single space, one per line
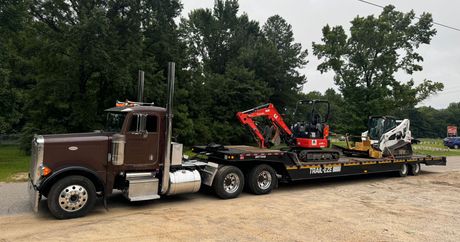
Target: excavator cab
311 119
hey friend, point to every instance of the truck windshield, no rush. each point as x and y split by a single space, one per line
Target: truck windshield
114 121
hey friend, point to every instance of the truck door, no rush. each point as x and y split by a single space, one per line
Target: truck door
142 141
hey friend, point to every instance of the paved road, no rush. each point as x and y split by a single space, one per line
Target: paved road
14 197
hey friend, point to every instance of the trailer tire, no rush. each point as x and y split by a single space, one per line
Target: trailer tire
404 170
229 182
415 169
262 179
71 197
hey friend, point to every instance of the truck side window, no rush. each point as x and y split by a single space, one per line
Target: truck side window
152 123
137 123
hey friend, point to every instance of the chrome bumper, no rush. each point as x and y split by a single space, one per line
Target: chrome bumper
34 196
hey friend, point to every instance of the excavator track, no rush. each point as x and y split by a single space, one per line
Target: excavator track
318 155
400 150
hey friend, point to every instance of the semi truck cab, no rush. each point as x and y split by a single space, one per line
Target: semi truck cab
133 154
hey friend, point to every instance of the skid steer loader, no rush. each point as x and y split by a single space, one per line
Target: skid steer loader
386 137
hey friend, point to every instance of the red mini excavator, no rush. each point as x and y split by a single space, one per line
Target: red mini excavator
306 138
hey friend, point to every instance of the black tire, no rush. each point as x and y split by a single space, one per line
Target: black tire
261 179
404 170
71 197
415 169
228 182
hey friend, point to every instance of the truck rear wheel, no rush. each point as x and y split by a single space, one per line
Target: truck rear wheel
71 197
404 170
262 179
415 169
229 182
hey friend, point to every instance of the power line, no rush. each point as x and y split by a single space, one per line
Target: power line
436 23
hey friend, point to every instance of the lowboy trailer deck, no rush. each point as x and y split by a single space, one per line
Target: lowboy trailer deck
289 168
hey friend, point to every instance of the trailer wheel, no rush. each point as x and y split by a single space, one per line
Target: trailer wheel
262 179
404 170
229 182
71 197
415 169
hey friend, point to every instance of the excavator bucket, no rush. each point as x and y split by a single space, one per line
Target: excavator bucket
361 148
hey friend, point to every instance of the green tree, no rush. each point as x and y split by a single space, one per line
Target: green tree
427 122
284 79
366 60
222 47
15 67
87 56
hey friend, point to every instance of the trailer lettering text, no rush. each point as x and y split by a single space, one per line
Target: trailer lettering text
327 169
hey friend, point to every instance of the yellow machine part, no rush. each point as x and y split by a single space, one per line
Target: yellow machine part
365 145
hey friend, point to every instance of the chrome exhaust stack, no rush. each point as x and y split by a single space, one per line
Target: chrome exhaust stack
169 116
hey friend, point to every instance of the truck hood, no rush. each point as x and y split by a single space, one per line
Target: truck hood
76 137
87 150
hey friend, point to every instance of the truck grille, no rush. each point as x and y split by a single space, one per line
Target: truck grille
36 160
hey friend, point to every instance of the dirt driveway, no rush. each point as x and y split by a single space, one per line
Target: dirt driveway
366 208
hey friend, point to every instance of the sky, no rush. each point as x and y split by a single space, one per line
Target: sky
308 17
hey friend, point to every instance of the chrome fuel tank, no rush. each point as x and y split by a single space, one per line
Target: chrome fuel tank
184 181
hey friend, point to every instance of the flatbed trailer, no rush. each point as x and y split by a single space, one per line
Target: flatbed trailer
289 168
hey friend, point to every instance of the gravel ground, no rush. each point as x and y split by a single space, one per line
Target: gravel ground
362 208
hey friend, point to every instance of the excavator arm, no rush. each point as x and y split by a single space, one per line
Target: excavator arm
269 111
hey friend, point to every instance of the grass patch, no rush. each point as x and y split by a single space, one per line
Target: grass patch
12 161
434 147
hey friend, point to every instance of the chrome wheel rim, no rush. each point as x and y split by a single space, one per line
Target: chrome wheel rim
264 180
417 168
73 198
231 182
404 169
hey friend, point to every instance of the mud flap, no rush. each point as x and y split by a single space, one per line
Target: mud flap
208 173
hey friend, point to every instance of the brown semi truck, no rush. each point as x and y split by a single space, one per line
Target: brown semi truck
135 155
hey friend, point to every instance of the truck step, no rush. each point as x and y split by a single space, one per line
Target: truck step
141 186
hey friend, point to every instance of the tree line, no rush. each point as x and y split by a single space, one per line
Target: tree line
63 62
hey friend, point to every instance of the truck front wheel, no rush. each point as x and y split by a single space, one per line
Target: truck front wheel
229 182
262 179
71 197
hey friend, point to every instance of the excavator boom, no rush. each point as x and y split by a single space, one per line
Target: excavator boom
269 111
